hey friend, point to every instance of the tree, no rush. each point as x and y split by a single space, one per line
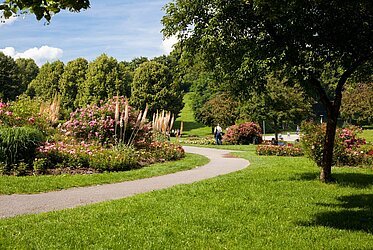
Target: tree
153 86
221 109
277 104
28 70
41 8
46 83
105 79
9 78
304 39
71 80
357 104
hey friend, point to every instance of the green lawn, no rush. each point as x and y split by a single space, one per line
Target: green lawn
44 183
368 135
276 203
191 127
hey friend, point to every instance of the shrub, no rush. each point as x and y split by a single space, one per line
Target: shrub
101 123
24 112
18 145
278 150
346 148
245 133
165 151
116 159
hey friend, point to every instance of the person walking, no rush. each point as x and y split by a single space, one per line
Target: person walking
218 134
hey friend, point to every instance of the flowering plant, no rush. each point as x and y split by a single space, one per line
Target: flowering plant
288 150
112 122
245 133
346 147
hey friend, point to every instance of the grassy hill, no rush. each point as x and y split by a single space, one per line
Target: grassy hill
191 126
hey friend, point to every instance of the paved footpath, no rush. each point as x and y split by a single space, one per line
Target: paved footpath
220 163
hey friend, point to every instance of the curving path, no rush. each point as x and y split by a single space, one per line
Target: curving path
220 163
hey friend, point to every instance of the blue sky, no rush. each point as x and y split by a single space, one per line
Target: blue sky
124 29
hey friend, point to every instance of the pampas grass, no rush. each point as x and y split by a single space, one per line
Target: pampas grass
51 110
163 122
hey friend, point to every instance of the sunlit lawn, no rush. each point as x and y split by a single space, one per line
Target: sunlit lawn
276 203
368 135
191 127
36 184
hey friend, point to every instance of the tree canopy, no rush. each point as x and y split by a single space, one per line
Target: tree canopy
9 78
303 39
41 8
46 83
153 86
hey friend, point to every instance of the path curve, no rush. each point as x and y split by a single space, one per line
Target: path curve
220 163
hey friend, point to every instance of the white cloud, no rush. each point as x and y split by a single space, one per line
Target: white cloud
40 55
168 43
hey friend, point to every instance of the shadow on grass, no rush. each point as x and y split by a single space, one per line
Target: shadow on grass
355 213
354 180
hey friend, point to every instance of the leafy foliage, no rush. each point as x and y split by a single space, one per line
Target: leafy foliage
279 150
46 83
71 81
98 123
221 109
347 145
18 144
105 78
27 70
357 104
305 40
9 78
153 86
277 105
245 133
41 8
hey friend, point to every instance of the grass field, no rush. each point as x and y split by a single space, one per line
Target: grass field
191 127
44 183
276 203
368 135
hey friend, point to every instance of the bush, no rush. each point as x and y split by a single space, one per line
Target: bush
19 145
347 148
278 150
245 133
165 151
98 123
116 159
24 112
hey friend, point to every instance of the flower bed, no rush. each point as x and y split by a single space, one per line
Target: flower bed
199 141
287 150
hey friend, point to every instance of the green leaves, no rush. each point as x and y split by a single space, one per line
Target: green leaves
42 8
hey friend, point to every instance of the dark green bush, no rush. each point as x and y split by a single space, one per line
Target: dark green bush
18 145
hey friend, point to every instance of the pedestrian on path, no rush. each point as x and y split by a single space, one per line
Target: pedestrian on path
218 134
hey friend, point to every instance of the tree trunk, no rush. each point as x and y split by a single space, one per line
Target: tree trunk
327 160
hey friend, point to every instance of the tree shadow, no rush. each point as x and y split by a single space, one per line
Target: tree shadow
354 180
355 213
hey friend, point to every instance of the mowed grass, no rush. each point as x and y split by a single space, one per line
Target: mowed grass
275 203
191 127
44 183
368 135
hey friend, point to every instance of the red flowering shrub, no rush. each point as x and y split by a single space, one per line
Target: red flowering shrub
99 123
278 150
346 148
245 133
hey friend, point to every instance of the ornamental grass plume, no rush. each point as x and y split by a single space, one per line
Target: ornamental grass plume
163 122
51 110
